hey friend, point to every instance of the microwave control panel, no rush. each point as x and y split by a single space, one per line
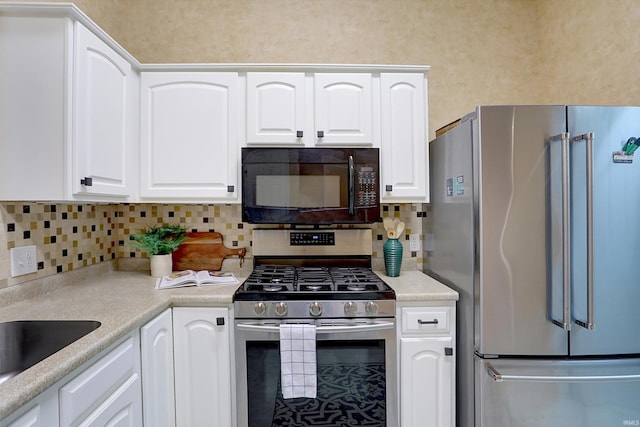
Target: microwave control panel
366 187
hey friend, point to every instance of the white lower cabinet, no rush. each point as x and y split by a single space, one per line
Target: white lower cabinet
156 342
105 392
40 412
108 393
427 365
202 366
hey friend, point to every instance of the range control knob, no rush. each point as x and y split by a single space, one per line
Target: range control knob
315 308
371 307
350 308
281 309
259 308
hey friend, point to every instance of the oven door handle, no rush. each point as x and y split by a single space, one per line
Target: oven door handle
381 326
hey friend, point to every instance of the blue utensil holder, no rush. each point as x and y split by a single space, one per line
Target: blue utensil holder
392 250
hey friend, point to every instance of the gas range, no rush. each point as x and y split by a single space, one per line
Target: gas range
310 274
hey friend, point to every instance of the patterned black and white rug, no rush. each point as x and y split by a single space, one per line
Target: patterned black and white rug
348 395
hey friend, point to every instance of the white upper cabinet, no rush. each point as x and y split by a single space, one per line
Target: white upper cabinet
189 143
275 108
82 120
311 109
344 107
105 94
404 154
68 112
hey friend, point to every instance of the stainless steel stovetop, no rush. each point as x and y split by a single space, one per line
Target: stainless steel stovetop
313 274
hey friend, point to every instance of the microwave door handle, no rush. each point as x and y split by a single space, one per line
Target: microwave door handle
352 187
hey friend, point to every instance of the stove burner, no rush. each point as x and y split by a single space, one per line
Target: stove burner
272 288
356 287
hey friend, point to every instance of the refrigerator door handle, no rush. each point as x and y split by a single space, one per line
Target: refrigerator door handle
498 377
565 323
590 322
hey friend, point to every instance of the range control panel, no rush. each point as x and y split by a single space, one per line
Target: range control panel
306 238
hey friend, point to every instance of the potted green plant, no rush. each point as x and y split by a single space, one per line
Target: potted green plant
159 241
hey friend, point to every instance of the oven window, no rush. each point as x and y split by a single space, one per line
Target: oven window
351 386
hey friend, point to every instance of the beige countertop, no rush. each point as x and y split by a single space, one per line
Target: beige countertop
123 301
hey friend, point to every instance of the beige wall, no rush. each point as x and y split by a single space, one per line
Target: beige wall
590 51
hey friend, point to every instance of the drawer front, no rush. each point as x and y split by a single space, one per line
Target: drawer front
426 320
89 389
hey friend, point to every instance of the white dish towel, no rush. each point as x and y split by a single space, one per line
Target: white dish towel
298 360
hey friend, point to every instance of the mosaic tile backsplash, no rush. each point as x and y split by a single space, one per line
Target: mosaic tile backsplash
72 236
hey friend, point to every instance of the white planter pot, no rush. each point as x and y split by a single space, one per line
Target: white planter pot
161 265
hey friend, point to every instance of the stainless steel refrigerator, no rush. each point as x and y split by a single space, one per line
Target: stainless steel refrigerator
535 221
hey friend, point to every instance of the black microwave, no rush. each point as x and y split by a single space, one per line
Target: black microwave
310 185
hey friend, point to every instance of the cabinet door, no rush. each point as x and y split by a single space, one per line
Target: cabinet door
109 390
33 107
156 339
40 412
189 147
426 382
104 117
275 108
122 409
344 110
403 122
202 366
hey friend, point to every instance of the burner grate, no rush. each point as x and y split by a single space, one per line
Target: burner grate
271 278
314 279
288 278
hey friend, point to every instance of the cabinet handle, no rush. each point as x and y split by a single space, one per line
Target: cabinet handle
428 322
388 188
320 134
231 188
87 180
220 321
299 134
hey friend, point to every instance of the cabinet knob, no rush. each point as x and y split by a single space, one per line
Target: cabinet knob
87 180
388 188
231 188
220 321
299 134
320 134
448 351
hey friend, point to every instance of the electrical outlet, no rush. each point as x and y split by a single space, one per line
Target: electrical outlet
23 260
414 242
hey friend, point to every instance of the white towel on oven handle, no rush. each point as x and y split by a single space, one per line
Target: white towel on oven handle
298 367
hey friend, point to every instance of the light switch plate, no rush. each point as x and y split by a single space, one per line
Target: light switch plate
414 242
23 260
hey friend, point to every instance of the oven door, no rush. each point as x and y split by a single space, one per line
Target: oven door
356 370
310 185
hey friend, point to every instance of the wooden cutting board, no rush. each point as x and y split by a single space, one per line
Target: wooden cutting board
203 251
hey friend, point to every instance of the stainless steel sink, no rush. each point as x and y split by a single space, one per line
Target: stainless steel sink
24 343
